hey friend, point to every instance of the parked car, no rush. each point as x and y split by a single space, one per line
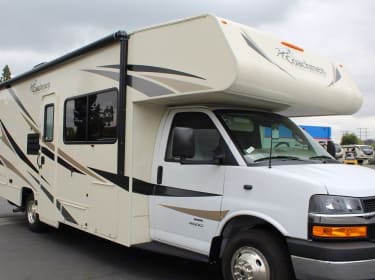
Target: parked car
362 153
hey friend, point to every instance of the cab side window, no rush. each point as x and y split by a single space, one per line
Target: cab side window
207 139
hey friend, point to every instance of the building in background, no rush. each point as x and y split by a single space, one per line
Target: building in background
319 133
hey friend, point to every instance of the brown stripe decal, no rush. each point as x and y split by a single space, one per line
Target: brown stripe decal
19 103
153 69
178 85
74 163
64 159
5 139
18 150
47 193
251 43
11 167
32 126
204 214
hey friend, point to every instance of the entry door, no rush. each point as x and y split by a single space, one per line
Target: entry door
47 159
186 208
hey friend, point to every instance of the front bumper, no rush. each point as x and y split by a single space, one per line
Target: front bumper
332 260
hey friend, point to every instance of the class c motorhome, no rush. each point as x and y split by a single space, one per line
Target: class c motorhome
176 138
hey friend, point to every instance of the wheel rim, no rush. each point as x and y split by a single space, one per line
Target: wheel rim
249 264
31 211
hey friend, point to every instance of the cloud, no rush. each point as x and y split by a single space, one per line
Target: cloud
40 23
342 31
57 27
40 30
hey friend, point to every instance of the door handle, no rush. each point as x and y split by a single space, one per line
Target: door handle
248 187
41 159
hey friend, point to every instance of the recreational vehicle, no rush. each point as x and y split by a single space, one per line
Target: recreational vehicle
169 139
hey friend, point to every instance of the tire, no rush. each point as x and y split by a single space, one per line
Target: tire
32 218
256 254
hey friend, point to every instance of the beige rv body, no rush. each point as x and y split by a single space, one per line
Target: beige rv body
224 65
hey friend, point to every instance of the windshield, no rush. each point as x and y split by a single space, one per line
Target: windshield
366 148
254 132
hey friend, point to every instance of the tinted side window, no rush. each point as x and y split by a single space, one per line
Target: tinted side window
75 119
102 123
48 123
91 118
207 138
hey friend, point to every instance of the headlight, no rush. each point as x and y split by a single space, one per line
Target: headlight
335 205
336 222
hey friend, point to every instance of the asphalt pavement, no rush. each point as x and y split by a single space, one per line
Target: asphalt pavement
67 253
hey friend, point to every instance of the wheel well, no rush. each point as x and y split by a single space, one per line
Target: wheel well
24 195
234 226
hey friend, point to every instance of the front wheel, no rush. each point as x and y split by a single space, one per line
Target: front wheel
256 255
32 217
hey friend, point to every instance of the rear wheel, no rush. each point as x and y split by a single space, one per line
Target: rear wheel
256 255
31 215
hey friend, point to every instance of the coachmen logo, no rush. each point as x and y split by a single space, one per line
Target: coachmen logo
288 55
36 87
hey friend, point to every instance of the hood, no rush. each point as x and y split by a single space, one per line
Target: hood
339 179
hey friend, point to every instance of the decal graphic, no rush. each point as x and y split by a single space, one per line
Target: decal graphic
149 84
37 87
145 188
204 214
67 216
47 193
336 76
12 168
19 103
17 149
251 43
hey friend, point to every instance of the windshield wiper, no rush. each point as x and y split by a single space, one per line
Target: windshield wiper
321 157
324 159
278 157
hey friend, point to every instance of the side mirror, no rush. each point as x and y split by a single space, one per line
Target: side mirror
275 134
219 153
183 142
331 149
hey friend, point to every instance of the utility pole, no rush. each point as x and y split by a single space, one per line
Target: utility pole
363 133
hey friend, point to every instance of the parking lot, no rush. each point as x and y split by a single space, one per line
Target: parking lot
70 254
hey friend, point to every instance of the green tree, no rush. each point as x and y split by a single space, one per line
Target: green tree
6 75
350 139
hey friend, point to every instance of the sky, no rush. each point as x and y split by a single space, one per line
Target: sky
342 30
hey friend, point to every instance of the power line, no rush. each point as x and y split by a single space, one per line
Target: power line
363 133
